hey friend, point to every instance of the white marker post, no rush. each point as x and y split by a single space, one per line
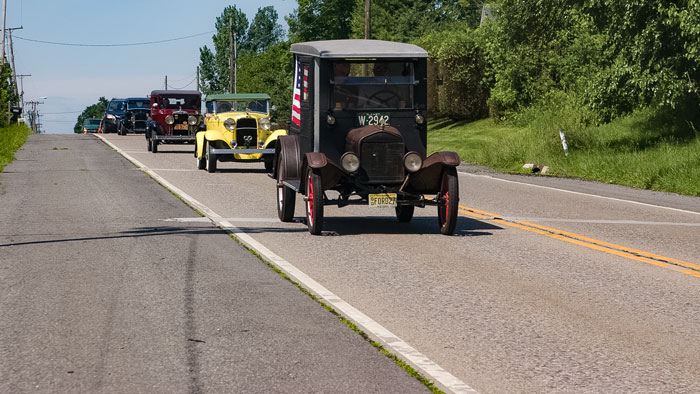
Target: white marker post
563 142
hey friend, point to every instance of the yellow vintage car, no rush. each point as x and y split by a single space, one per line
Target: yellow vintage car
237 127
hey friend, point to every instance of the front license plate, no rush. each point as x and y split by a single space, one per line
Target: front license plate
383 200
182 126
372 118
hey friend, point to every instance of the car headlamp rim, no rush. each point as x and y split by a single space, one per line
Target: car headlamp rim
412 162
192 120
420 119
350 162
330 119
264 123
169 119
230 124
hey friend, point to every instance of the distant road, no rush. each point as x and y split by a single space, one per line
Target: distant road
103 290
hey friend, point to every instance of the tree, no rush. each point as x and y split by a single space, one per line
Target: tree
321 20
217 75
7 94
96 110
264 30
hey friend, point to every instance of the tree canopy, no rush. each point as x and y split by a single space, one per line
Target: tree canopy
96 110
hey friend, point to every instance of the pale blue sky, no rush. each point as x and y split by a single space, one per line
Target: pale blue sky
75 77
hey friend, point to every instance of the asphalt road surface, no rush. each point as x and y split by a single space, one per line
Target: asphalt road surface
101 293
549 285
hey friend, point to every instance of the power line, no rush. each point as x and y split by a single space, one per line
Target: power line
59 113
182 88
113 45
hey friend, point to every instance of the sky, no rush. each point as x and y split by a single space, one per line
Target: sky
74 77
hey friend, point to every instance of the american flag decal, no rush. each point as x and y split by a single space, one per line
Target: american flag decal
296 100
306 83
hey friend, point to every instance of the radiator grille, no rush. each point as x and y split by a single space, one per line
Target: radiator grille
247 132
383 161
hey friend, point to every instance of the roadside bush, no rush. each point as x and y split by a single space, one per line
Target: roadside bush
11 139
456 85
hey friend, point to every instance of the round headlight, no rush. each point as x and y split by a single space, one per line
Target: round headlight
169 119
412 162
420 119
230 124
350 162
265 123
330 119
192 120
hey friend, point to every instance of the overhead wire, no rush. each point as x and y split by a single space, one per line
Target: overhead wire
193 79
112 45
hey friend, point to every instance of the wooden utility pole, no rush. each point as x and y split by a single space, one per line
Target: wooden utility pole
230 54
367 19
198 87
21 88
12 58
4 14
166 82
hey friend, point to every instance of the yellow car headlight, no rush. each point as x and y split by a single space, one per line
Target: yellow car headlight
264 123
230 124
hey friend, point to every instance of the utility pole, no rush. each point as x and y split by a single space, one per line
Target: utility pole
235 63
4 14
12 57
166 82
230 54
367 19
21 88
198 87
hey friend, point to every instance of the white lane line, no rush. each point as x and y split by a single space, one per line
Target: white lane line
431 370
579 193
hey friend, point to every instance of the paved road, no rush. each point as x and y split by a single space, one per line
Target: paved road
101 292
544 288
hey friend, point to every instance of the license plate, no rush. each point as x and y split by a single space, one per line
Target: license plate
372 118
182 126
383 200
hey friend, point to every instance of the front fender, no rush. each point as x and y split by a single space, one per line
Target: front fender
199 137
330 171
273 137
427 180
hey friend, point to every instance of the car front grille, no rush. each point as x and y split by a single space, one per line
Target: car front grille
247 132
383 161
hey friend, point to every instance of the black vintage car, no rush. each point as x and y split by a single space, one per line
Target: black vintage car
136 113
359 134
112 121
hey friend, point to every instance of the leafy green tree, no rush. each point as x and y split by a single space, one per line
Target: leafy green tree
96 110
264 30
321 20
7 94
215 77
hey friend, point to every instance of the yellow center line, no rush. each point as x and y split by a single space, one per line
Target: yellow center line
587 242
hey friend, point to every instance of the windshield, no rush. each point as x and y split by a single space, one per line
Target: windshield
187 102
115 106
140 104
372 85
92 122
259 106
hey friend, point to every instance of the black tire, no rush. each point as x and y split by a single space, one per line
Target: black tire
149 144
314 202
154 146
404 213
211 160
269 164
449 201
201 163
286 197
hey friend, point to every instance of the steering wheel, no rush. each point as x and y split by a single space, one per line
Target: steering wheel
385 97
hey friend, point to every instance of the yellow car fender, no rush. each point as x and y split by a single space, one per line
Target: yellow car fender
200 144
273 137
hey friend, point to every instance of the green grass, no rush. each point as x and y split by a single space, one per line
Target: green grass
11 139
647 149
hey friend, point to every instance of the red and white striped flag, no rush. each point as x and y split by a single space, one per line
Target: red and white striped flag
296 101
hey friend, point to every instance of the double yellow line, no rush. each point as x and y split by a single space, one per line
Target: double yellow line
683 267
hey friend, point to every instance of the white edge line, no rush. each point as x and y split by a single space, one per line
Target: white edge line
580 193
443 379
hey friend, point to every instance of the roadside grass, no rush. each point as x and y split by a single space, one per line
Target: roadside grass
646 150
11 139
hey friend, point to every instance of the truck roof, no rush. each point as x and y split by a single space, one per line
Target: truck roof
337 49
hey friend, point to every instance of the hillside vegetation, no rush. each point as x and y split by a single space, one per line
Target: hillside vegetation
11 139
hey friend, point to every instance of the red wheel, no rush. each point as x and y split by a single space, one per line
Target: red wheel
449 201
314 202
